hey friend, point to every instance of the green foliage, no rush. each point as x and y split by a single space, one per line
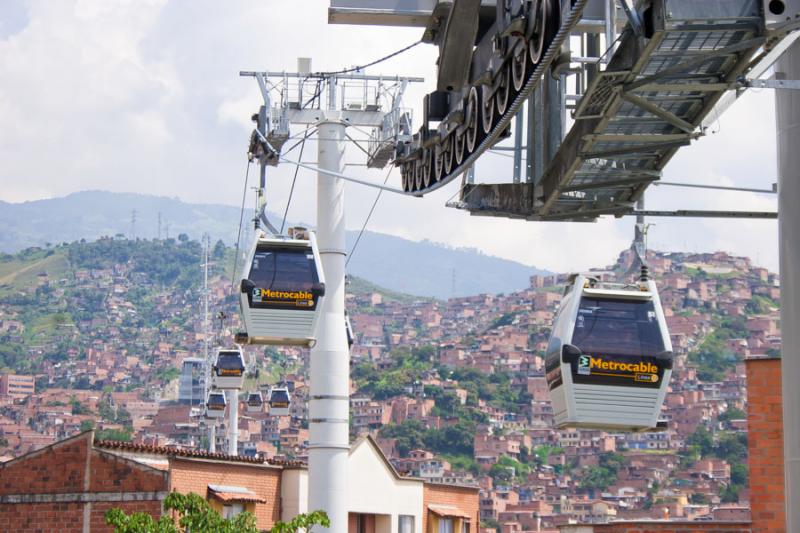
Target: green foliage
168 373
409 366
304 522
760 305
462 463
732 413
605 474
491 523
412 434
503 320
507 469
544 451
124 435
730 494
165 262
138 522
13 355
219 250
86 425
77 407
194 514
703 439
698 498
3 442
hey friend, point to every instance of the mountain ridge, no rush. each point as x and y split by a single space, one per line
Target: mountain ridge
385 260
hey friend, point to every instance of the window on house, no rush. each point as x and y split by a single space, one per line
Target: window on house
406 524
232 509
465 526
445 525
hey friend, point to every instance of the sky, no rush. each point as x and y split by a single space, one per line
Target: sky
144 96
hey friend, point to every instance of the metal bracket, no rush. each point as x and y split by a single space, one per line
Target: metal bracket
694 213
633 17
771 84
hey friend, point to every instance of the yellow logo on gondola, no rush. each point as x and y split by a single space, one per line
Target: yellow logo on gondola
286 295
632 368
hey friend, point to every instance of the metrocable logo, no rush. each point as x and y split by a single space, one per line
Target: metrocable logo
584 365
632 368
269 294
640 371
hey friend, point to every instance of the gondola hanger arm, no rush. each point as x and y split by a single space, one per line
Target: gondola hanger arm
351 179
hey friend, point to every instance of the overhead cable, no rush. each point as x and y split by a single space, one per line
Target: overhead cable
239 234
294 180
366 221
362 67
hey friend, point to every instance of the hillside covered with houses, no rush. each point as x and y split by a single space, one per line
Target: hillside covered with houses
94 335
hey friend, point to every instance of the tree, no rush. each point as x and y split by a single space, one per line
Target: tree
703 439
86 425
193 514
219 250
304 521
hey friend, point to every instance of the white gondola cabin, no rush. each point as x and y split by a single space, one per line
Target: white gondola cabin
279 401
228 370
255 402
215 405
609 359
282 285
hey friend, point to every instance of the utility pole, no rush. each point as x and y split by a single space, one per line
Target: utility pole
787 106
212 437
329 404
351 99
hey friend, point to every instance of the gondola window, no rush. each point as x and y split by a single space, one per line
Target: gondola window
615 327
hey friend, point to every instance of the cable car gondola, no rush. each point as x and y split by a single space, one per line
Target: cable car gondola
228 370
609 359
255 402
281 288
279 401
215 405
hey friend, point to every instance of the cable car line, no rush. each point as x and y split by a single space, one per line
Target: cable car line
352 179
366 221
239 234
294 179
362 67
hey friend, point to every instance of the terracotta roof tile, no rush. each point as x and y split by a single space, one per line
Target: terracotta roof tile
183 452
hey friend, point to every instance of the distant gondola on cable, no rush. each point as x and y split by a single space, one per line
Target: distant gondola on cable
255 402
215 405
279 401
281 288
228 369
609 359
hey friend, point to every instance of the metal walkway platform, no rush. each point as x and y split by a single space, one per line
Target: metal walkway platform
663 80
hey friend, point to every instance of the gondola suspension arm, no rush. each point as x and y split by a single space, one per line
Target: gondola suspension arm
351 179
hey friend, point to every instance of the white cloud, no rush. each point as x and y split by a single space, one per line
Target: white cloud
144 96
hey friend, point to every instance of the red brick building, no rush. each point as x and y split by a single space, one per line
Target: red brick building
68 487
70 484
765 444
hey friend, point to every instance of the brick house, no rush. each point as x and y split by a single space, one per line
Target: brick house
68 487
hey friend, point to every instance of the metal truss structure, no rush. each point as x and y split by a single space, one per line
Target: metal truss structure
610 96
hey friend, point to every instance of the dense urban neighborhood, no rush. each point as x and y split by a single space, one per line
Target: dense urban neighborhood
110 335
